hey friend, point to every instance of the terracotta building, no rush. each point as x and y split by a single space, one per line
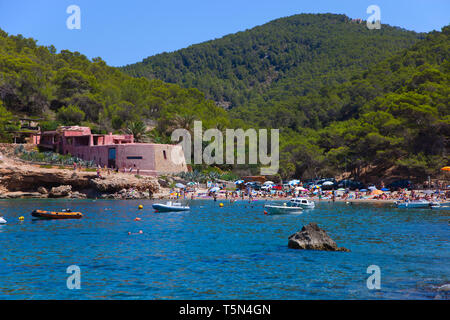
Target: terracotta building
115 151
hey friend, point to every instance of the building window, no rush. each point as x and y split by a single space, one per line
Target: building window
164 153
135 157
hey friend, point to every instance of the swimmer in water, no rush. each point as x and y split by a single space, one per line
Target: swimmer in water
140 232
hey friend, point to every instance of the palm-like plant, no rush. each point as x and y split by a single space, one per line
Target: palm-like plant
138 129
184 121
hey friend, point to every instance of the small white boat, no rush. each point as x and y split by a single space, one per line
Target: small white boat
273 209
416 204
302 202
2 221
170 206
441 205
295 205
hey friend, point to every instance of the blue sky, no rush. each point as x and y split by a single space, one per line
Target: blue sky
123 32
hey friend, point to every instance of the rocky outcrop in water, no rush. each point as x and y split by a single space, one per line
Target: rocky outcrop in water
311 237
113 184
127 194
20 194
42 190
60 192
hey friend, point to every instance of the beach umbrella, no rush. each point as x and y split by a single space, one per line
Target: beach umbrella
327 183
269 182
427 191
191 183
239 182
341 189
215 189
384 189
447 168
363 190
372 188
300 189
377 192
180 185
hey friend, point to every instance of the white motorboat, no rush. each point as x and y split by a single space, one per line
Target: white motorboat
170 206
302 202
441 205
416 204
273 209
2 221
295 205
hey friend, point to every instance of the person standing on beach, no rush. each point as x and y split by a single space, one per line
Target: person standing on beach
74 166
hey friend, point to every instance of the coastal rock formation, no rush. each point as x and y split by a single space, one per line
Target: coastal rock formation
127 194
23 180
20 194
59 192
29 178
163 183
42 190
77 195
117 183
312 237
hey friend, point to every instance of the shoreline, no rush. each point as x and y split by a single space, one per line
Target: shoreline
21 180
3 198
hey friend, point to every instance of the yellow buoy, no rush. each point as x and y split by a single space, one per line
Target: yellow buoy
141 207
221 204
21 218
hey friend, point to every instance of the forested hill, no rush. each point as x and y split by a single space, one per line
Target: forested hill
376 115
391 120
68 88
286 57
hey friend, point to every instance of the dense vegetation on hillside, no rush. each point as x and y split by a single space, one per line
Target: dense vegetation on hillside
395 115
345 98
283 58
341 97
67 88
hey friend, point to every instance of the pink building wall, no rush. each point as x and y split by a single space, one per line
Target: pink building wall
149 158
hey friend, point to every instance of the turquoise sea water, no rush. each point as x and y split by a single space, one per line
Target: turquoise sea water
235 252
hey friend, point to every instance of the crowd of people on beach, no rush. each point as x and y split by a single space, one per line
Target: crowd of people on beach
198 192
244 192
